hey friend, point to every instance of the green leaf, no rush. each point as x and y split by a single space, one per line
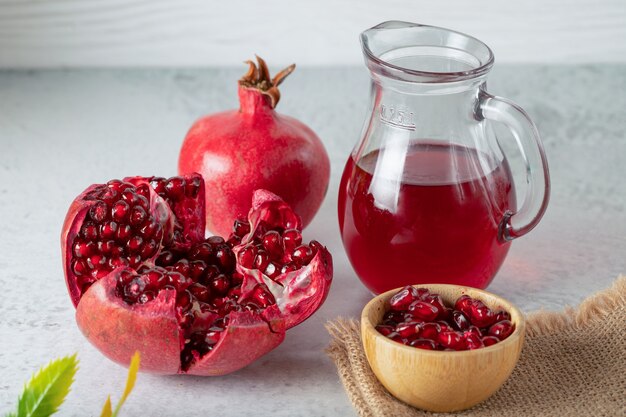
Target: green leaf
47 389
106 410
130 381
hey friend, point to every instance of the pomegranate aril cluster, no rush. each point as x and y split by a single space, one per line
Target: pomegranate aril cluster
207 289
419 318
119 231
273 251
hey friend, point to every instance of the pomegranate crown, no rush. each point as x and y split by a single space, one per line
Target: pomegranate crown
258 78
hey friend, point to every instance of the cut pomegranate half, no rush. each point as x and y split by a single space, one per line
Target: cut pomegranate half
144 278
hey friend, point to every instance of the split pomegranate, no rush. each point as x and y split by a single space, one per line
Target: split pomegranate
419 318
144 278
239 151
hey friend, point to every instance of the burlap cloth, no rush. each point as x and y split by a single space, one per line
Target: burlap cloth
573 364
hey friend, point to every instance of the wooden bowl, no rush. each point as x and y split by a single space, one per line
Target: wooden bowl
441 381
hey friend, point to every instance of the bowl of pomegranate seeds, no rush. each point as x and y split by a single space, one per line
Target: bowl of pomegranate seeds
441 347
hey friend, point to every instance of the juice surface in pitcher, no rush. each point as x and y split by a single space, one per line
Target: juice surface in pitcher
438 223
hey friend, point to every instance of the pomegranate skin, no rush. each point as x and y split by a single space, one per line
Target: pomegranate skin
152 329
118 330
252 148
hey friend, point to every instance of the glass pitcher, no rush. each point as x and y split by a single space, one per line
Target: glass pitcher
427 194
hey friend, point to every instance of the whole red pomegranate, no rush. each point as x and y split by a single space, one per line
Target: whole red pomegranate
239 151
143 277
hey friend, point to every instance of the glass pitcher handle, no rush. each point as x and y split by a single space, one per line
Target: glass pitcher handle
527 137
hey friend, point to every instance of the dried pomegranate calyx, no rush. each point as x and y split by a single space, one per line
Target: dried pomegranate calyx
258 78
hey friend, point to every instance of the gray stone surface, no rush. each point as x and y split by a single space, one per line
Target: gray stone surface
63 130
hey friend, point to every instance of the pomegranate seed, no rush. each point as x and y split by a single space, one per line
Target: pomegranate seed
480 315
247 256
393 318
145 297
106 248
385 330
436 301
134 289
316 246
233 241
108 230
154 278
502 315
182 267
407 330
429 331
79 267
178 280
150 230
149 249
196 269
200 292
175 188
273 244
474 330
165 258
463 303
135 243
183 300
272 270
423 344
234 293
472 341
501 329
114 185
99 212
84 249
96 261
220 284
117 262
241 228
460 321
423 310
158 184
403 298
215 240
262 297
89 231
397 338
451 340
302 254
291 239
143 193
289 267
134 260
120 211
138 215
129 196
143 202
201 252
261 260
225 258
490 340
192 188
110 196
123 232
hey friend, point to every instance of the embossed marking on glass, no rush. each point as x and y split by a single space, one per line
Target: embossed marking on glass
427 195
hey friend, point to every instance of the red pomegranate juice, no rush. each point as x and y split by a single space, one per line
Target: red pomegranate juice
435 220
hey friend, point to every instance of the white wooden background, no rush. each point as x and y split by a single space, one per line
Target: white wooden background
104 33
